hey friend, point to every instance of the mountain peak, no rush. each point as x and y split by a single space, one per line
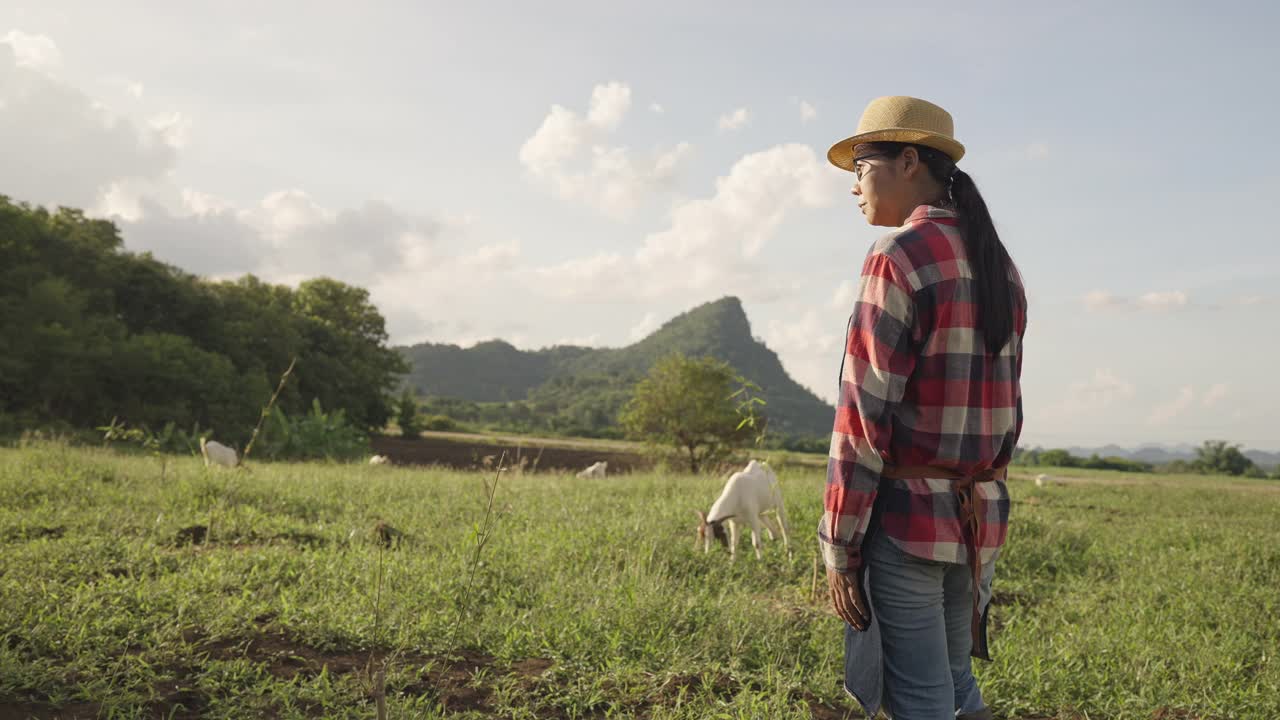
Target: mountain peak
703 330
718 329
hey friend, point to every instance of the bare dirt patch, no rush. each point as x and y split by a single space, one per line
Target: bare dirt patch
34 532
482 453
448 679
198 536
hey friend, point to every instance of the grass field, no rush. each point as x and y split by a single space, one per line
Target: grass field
131 591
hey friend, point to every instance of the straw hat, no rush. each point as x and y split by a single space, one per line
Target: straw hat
899 118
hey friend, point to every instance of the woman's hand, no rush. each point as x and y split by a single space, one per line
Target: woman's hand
846 597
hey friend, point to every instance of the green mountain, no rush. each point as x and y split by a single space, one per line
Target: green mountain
495 371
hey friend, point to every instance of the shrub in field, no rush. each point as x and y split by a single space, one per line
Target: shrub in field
1093 462
169 439
439 423
316 435
693 407
407 415
1063 458
1218 457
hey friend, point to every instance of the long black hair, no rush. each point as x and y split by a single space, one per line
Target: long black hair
989 261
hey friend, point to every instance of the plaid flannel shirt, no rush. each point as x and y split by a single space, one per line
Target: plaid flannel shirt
917 387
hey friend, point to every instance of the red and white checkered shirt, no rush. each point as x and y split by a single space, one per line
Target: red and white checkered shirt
918 387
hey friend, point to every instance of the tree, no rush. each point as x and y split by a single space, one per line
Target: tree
1218 457
1058 458
91 331
345 361
690 405
407 415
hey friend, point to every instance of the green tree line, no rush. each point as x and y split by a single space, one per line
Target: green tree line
90 332
1213 457
576 406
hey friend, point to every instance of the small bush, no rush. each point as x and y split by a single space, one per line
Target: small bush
315 436
439 423
407 416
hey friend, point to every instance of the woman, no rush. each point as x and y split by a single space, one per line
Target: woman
928 417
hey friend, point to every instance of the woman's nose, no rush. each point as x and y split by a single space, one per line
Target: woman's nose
857 189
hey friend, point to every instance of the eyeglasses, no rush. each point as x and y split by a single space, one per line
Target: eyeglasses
857 169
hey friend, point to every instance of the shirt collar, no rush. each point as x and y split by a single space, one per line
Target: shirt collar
928 212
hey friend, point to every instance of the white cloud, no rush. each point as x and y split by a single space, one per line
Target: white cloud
38 52
431 277
493 257
200 203
844 296
358 245
122 199
609 104
567 153
1166 412
712 242
644 328
591 340
735 119
130 88
808 344
174 127
1102 390
1099 300
807 111
216 242
1215 394
1162 300
1088 397
61 147
286 212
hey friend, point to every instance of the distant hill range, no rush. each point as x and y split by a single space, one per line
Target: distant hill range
1160 454
496 371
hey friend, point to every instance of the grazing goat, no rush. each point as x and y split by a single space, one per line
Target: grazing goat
747 495
215 453
1042 480
378 460
597 470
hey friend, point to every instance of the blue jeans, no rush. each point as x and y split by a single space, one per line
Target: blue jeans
924 610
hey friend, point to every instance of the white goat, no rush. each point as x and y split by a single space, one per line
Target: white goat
597 470
747 495
378 460
215 453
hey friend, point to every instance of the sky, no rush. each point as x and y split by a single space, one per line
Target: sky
556 172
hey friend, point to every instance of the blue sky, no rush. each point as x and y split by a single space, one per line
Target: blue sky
1128 155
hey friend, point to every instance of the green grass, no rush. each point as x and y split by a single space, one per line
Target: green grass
1121 597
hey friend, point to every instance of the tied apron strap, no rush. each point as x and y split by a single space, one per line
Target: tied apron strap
970 523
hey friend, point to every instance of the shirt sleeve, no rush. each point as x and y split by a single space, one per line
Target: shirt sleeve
878 359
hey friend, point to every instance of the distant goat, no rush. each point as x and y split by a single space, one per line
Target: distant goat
597 470
1042 480
747 495
215 453
378 460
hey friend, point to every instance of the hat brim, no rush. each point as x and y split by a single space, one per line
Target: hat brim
841 154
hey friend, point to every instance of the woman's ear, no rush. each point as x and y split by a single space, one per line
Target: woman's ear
910 159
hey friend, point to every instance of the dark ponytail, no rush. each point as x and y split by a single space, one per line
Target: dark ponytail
989 261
